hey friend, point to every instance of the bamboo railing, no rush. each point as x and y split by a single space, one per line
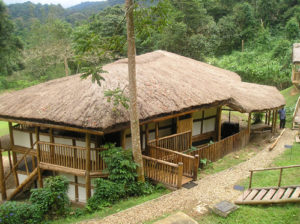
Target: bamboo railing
167 173
70 156
190 163
178 142
216 151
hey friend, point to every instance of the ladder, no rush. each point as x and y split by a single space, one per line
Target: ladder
270 195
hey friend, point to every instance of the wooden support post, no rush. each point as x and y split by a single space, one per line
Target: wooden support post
2 181
75 166
266 117
141 137
275 126
147 138
31 146
196 165
250 182
202 121
180 173
249 123
51 146
123 139
269 117
156 132
219 122
14 155
273 121
38 156
280 176
88 166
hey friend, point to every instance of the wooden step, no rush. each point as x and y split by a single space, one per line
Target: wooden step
270 195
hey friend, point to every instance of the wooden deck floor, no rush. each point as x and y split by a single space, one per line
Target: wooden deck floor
270 195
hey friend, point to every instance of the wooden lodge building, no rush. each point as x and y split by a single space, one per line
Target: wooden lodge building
58 127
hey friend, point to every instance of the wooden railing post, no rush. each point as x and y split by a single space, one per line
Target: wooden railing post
180 173
14 155
38 155
250 182
2 181
88 166
196 165
280 176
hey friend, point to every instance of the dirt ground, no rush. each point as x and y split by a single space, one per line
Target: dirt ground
210 190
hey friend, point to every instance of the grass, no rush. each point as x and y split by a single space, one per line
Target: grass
230 160
275 214
3 128
120 206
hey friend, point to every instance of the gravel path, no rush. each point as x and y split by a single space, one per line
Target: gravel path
210 189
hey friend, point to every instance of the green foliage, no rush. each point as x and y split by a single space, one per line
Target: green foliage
12 212
122 179
257 118
106 193
10 45
46 203
292 29
52 200
118 97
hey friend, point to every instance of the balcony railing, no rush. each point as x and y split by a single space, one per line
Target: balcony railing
70 156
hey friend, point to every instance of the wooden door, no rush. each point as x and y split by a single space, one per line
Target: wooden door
184 125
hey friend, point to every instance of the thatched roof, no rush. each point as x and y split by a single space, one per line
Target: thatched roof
296 52
167 83
251 97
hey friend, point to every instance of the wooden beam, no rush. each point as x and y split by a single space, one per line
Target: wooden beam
31 146
88 166
54 126
24 183
146 138
201 130
75 177
219 122
14 155
123 139
156 132
63 169
51 146
276 115
249 123
39 172
2 181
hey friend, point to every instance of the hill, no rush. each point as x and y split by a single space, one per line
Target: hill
25 13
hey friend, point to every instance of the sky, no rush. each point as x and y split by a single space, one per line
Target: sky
64 3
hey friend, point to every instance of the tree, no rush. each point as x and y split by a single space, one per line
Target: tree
134 113
10 45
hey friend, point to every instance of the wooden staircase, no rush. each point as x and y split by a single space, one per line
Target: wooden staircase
270 195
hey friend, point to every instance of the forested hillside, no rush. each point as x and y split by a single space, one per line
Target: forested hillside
252 37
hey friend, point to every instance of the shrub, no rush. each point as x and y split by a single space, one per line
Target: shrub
12 212
52 199
121 182
106 193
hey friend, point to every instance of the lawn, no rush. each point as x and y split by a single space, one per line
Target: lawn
3 128
275 214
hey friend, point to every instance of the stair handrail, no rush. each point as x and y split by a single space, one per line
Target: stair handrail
281 168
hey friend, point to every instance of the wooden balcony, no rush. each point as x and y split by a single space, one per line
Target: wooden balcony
71 159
